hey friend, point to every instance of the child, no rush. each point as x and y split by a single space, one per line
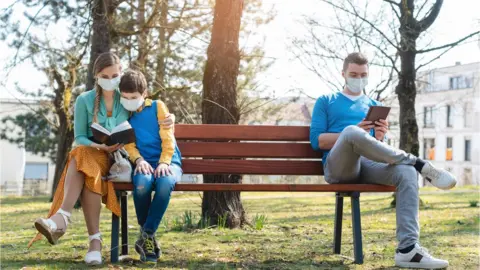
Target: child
157 159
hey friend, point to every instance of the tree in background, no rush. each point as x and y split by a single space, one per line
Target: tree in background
219 105
166 39
392 36
61 63
367 29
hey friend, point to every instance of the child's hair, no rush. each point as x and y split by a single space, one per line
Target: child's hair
133 81
103 60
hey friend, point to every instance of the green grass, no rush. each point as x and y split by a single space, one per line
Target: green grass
289 231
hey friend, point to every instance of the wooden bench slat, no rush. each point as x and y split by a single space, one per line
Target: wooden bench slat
273 187
244 150
257 167
242 132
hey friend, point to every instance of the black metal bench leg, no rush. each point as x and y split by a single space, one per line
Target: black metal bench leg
357 228
114 240
123 202
337 234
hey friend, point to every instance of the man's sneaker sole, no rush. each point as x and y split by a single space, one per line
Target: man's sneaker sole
421 265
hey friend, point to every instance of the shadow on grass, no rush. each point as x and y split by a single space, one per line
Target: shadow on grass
12 200
179 263
246 264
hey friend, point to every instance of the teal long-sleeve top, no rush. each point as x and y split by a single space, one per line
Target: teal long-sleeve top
84 107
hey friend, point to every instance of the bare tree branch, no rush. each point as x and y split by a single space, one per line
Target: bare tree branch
32 20
453 44
421 7
433 59
355 13
426 22
392 2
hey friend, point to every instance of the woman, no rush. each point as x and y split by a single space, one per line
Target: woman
88 162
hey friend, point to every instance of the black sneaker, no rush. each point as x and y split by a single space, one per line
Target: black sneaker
146 246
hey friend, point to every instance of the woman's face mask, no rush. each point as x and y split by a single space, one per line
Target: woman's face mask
109 77
109 84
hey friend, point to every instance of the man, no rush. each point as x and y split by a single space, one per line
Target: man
354 151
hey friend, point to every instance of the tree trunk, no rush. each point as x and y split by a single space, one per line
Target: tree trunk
159 83
100 36
65 130
65 141
219 105
407 92
142 39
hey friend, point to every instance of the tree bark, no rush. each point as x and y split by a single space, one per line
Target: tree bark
219 104
141 60
159 82
101 41
65 130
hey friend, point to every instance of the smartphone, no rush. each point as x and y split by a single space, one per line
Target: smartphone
376 113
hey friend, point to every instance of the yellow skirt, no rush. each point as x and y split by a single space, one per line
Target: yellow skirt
94 164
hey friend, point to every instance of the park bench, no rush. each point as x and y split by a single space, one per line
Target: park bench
276 150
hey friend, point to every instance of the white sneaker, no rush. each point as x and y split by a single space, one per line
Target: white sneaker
419 257
440 178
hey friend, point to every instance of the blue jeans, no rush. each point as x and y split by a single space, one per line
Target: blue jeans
150 211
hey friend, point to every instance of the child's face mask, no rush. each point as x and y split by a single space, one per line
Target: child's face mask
132 104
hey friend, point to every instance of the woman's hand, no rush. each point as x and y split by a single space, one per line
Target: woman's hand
143 167
163 169
169 121
108 149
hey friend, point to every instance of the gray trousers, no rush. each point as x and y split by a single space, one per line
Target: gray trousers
357 157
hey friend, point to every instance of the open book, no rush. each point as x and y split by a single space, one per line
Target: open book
122 133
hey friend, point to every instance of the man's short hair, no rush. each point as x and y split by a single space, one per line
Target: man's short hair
355 58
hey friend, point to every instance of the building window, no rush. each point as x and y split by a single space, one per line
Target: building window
455 82
429 149
449 116
467 114
428 117
449 155
468 151
36 171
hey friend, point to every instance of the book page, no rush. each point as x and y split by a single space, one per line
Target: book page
101 129
121 127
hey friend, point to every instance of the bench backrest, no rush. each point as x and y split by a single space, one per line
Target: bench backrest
241 149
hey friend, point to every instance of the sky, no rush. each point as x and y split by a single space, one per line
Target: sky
456 19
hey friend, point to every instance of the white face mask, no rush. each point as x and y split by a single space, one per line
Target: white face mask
132 104
109 85
356 85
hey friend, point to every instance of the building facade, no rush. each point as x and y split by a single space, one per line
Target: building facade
22 172
448 117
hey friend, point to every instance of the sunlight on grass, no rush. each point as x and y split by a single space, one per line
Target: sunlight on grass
289 231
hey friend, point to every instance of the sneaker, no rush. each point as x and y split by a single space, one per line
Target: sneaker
146 246
440 178
419 257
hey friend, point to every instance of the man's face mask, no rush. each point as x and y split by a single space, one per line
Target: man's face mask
356 85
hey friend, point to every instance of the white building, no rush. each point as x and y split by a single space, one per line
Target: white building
21 172
448 117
